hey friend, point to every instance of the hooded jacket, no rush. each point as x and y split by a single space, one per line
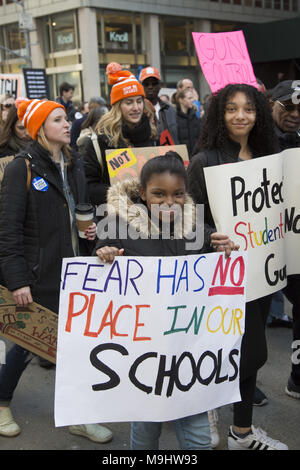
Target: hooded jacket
127 208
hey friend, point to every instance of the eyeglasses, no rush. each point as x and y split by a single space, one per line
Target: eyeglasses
289 107
7 106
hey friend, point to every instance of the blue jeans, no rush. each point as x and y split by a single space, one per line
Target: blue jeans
193 433
17 360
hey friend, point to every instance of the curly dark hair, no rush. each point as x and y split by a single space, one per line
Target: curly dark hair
214 134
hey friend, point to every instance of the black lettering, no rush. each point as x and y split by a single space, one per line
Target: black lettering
179 385
220 379
133 369
235 196
162 373
233 353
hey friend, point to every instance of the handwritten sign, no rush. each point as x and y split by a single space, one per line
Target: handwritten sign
257 204
149 339
224 59
33 327
127 162
13 84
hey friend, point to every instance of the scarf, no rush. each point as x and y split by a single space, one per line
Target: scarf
139 135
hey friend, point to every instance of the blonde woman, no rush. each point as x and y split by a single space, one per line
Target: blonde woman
38 230
128 124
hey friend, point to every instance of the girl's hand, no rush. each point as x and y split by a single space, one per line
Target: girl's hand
107 253
221 242
90 232
22 296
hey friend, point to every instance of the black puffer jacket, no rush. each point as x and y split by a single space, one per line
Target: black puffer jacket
35 228
122 198
188 128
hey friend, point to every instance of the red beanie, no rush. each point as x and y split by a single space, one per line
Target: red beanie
33 113
124 83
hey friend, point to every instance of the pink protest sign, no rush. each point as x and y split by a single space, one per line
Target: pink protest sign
224 59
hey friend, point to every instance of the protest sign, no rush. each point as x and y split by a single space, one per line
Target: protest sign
12 84
148 338
33 327
224 59
127 162
256 202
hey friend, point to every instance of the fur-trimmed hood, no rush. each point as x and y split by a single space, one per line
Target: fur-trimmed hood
124 200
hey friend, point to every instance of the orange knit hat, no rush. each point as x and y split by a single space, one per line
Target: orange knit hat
124 83
32 114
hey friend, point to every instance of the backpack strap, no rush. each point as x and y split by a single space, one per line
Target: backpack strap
96 145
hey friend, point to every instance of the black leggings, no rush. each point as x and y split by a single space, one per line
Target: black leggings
242 410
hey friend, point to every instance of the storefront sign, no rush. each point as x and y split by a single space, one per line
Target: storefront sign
118 37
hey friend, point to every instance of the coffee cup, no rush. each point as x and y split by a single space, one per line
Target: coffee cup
84 217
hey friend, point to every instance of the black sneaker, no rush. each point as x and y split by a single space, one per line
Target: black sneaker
260 398
292 389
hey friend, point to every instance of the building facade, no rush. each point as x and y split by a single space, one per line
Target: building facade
74 40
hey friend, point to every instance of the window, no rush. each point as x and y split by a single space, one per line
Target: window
175 35
63 31
118 32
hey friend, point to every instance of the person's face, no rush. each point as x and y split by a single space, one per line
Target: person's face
68 95
6 105
187 83
132 109
21 131
152 87
240 116
168 191
286 115
188 100
57 128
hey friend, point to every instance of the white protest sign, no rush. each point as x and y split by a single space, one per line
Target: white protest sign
257 203
148 338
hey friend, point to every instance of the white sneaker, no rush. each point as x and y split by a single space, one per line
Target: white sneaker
8 426
256 440
94 432
213 424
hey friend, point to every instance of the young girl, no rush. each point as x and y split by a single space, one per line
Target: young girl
163 183
238 126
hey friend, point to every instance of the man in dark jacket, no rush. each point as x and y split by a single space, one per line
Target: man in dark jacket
165 114
286 115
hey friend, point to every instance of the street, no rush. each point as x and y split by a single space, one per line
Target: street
32 408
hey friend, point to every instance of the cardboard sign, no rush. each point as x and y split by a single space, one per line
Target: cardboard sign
33 327
127 162
148 338
224 59
256 202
